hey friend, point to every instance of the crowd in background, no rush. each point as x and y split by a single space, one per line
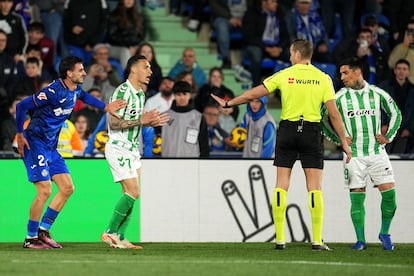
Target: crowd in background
36 34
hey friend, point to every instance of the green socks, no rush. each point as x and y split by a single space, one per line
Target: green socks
124 224
122 210
388 207
358 214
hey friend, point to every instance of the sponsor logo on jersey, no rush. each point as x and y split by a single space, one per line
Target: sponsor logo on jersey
303 81
363 112
62 100
51 90
59 111
42 96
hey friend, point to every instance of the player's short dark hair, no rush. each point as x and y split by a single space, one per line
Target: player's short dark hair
68 63
304 47
352 62
131 61
36 26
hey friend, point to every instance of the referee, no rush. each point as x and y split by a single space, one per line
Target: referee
304 89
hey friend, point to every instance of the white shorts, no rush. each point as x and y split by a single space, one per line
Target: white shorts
376 168
123 162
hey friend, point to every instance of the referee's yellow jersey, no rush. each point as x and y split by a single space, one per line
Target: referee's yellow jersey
303 89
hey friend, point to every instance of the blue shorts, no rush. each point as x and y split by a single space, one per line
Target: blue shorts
42 162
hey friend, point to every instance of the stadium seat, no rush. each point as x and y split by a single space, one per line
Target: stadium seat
337 35
115 63
280 65
328 68
267 63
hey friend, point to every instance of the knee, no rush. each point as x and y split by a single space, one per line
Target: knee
44 193
134 194
68 190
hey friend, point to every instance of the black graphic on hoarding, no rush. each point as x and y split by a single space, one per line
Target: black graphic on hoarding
256 222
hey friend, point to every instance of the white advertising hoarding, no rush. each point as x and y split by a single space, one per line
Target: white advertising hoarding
230 201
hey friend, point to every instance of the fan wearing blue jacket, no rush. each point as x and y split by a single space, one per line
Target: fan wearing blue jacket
261 130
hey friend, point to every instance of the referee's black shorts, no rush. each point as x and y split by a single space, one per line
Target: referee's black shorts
292 144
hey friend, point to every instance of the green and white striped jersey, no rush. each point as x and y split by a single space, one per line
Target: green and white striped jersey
133 111
361 115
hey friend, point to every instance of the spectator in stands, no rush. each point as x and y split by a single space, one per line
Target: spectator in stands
198 15
261 130
93 114
346 9
215 85
8 70
264 36
69 142
125 30
186 134
188 63
51 14
404 50
82 127
188 77
379 34
375 67
8 125
37 38
33 51
13 24
305 23
399 12
32 80
22 7
147 50
216 135
402 91
226 16
84 23
101 74
163 99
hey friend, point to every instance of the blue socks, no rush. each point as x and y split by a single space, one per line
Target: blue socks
32 228
48 218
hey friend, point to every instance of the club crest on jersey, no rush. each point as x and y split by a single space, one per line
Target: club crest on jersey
42 96
44 172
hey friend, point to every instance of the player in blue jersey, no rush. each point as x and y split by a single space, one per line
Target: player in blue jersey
51 106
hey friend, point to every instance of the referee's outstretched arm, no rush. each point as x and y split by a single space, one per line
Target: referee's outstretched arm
251 94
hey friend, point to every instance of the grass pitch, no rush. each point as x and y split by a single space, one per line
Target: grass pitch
206 259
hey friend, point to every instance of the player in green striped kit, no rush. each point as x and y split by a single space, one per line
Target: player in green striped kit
122 149
360 106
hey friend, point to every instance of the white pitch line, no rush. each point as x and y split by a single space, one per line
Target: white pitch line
137 261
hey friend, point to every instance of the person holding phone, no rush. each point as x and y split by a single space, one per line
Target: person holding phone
404 50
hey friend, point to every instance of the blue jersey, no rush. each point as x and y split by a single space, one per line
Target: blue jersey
53 105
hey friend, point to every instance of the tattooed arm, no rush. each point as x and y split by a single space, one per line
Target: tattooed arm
151 118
